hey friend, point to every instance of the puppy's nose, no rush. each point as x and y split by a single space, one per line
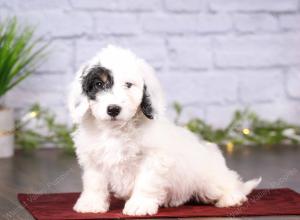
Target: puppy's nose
113 110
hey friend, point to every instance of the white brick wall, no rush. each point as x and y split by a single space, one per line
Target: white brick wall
254 5
214 56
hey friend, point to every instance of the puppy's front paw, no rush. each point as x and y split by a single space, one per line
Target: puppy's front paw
141 206
91 203
231 199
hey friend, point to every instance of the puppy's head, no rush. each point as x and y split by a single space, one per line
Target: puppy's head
115 86
112 93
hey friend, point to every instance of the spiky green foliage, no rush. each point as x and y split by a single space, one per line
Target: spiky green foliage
20 53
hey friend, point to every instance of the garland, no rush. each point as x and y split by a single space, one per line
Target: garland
39 127
245 128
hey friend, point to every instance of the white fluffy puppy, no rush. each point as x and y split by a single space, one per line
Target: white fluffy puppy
126 146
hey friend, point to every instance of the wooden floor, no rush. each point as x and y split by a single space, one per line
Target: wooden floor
47 171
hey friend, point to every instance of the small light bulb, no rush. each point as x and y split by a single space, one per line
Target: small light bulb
32 114
246 131
229 147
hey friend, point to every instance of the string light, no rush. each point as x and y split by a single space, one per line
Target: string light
29 116
229 147
33 114
246 131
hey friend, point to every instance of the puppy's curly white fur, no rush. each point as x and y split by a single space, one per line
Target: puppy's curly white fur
126 146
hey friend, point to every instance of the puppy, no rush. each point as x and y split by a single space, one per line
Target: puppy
126 146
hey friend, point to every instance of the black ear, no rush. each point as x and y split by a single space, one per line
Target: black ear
146 104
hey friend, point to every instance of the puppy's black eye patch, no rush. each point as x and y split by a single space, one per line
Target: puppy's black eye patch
97 79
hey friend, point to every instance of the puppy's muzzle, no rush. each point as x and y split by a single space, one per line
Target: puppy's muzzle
113 110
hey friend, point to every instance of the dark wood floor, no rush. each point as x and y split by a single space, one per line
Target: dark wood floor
47 171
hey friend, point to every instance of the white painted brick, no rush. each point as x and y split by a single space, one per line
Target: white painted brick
220 116
4 13
184 5
257 51
94 4
260 86
117 5
163 23
253 5
20 5
284 110
19 98
48 90
86 49
293 83
190 53
189 112
192 111
255 22
290 21
45 83
107 23
214 23
58 23
183 23
59 57
62 115
193 88
262 41
138 5
150 49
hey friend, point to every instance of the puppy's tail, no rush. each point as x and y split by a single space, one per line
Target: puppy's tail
250 185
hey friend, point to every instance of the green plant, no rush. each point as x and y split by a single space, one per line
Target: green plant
20 53
39 127
245 128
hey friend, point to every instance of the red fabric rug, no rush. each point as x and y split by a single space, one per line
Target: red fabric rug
261 202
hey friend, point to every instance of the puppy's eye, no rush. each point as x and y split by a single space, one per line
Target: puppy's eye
98 85
128 84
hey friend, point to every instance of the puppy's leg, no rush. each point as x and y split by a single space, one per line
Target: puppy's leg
144 200
94 197
149 190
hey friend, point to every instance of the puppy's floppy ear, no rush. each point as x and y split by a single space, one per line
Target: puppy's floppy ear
153 102
146 104
78 103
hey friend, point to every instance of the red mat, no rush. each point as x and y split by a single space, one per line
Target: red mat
261 202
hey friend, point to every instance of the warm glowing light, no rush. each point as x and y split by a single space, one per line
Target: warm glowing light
246 131
229 147
32 114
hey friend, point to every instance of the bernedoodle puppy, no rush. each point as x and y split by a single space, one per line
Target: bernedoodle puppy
126 146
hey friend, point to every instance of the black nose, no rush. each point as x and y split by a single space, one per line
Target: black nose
113 110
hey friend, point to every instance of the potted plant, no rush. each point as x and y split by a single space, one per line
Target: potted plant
20 53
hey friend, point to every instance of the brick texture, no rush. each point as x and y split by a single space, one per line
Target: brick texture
254 5
214 56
